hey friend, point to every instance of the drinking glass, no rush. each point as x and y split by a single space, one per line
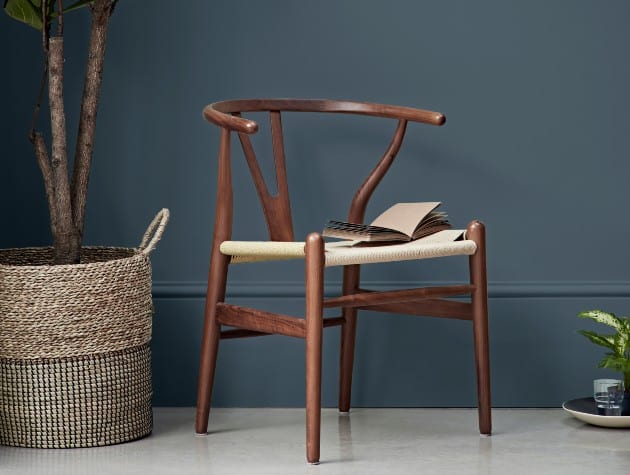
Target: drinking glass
608 395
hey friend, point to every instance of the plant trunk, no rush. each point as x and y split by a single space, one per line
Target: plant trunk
66 242
101 13
66 200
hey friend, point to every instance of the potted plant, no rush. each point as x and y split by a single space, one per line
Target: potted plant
66 195
618 344
75 321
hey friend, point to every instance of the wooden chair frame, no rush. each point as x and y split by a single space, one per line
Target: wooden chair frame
252 322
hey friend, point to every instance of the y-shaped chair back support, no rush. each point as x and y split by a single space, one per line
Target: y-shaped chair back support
277 209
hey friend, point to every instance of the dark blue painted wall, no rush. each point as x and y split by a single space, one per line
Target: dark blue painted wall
536 95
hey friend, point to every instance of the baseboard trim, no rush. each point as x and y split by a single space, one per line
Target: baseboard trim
278 289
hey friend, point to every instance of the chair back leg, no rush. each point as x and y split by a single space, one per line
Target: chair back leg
314 330
210 339
351 276
476 232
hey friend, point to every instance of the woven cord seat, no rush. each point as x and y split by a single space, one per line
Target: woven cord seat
344 253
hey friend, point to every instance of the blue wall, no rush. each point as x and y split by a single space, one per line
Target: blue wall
536 94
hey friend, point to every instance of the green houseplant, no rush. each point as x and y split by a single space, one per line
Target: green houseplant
66 193
75 321
618 344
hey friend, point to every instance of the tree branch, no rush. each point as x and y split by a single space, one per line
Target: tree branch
32 134
67 247
41 152
42 85
45 27
101 13
59 17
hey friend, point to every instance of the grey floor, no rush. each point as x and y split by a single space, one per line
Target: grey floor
369 441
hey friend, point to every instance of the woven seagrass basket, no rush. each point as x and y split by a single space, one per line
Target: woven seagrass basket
75 357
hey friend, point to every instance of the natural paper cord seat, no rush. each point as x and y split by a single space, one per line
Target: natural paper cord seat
225 320
343 253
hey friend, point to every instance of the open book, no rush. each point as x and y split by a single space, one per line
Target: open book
401 222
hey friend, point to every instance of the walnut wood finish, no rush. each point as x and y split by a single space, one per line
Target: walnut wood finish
249 322
426 308
260 321
239 333
364 193
217 280
351 278
314 310
277 208
479 301
396 296
352 274
219 113
333 321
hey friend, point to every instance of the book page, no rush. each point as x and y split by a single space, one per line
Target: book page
404 217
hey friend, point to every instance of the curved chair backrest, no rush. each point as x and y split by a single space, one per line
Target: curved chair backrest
277 209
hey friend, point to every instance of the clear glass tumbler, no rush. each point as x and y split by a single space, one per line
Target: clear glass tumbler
608 395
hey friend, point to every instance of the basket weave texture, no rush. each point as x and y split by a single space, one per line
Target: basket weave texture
75 357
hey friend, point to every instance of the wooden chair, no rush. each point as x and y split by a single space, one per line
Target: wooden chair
247 322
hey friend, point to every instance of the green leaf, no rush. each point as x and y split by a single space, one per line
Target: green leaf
77 5
25 11
607 341
604 317
621 343
616 363
29 11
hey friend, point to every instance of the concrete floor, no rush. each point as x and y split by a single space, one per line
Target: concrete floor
369 441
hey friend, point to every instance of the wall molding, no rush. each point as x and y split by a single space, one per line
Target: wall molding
516 289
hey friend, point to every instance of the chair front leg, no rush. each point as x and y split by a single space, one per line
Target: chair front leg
217 279
477 232
314 330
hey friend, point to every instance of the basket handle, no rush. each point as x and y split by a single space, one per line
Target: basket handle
154 232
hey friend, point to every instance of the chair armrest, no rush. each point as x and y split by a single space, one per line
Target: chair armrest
212 114
383 110
220 113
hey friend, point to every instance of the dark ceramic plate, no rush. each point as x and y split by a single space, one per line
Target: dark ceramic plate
585 410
